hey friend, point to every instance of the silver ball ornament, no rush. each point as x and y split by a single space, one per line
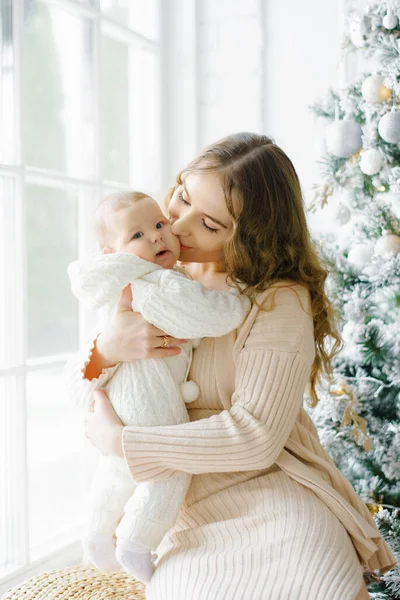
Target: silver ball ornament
371 161
387 244
389 127
343 138
360 255
342 214
374 90
389 21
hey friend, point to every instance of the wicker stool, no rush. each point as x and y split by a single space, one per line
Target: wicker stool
78 583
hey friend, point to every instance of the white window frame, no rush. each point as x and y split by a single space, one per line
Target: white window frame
16 470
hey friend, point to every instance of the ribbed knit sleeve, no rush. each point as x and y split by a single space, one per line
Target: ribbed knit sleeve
272 371
79 389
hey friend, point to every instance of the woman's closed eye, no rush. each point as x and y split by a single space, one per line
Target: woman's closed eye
211 229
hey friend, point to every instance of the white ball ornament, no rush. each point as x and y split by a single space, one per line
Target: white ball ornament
371 161
389 21
389 127
343 138
387 244
374 90
393 200
358 32
360 255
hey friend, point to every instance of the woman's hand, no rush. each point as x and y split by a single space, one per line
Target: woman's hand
130 337
103 427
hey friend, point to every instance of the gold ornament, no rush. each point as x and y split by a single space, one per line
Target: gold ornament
354 157
340 390
351 417
385 93
376 508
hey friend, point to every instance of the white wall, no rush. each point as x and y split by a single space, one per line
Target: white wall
230 67
301 56
253 65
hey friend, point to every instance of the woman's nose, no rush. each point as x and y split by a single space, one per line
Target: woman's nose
179 226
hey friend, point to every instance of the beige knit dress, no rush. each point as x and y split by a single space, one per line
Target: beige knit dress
268 516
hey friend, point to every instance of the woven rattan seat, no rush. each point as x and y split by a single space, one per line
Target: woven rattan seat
78 583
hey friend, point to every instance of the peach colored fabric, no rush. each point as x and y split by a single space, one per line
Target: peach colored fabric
267 509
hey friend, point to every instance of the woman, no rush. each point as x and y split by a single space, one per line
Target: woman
267 515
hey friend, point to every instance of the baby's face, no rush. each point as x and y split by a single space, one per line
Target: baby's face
143 230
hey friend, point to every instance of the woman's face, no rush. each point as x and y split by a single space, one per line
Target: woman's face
200 218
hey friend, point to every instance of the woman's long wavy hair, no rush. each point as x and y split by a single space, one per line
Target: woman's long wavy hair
270 240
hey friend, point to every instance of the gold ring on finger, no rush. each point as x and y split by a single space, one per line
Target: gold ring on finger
164 342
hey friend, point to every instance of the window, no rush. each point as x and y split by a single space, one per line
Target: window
79 115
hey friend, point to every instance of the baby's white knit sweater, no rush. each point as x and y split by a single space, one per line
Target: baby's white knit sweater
149 392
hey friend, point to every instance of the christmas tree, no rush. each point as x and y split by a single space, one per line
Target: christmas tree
358 413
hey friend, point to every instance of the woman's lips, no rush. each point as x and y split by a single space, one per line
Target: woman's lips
183 247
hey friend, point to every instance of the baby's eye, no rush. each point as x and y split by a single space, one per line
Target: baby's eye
160 225
137 235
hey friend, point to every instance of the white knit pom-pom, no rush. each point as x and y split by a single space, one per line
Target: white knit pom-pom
190 391
387 244
374 90
343 138
360 255
389 127
371 161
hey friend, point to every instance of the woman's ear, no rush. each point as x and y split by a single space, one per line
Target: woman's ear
108 250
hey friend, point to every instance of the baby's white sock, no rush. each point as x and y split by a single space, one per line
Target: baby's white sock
99 549
135 559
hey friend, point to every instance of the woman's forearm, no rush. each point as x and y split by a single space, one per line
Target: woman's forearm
98 360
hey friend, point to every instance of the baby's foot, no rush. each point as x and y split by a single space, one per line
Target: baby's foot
100 550
135 559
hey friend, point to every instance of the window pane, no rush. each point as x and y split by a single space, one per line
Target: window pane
13 526
7 98
114 109
11 284
141 16
57 101
52 243
54 449
145 121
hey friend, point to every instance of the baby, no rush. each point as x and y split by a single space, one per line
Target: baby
139 248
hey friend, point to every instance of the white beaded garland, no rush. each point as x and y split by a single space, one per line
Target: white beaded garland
343 138
387 244
389 127
371 161
374 90
360 255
